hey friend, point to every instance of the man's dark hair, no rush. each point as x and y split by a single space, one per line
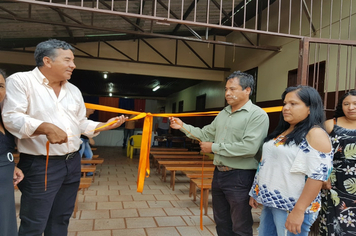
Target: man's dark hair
245 80
338 111
3 73
49 49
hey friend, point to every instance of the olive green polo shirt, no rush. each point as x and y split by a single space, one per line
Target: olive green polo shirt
236 136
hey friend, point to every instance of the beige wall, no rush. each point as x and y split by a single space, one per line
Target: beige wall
214 91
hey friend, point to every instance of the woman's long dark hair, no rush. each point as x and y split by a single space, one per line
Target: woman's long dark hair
311 99
3 75
338 111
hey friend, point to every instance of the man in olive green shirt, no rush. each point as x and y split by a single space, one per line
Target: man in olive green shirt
235 137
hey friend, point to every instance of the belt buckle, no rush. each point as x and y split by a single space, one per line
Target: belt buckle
69 155
224 168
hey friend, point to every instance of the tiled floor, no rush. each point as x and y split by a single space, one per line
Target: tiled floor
113 207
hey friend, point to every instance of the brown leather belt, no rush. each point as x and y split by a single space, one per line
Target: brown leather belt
224 168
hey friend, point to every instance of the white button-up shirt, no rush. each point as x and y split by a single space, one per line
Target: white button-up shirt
30 101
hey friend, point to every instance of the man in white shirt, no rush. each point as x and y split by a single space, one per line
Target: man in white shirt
40 106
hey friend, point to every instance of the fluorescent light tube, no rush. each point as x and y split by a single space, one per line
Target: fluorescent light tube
156 88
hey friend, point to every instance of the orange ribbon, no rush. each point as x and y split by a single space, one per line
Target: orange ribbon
144 163
47 147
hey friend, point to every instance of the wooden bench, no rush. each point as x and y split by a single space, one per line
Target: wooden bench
164 169
157 158
84 184
176 140
95 161
174 152
169 149
197 183
173 170
187 162
197 175
87 168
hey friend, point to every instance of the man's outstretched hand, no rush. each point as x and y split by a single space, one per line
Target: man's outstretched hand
176 123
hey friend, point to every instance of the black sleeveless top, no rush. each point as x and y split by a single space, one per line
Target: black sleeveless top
7 146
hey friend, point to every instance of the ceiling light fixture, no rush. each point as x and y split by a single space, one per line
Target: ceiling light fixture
156 88
155 85
111 86
105 75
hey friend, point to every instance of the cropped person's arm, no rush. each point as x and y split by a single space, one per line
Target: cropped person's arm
329 125
295 218
253 203
91 141
18 176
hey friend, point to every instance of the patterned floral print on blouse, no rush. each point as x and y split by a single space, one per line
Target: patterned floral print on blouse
283 171
338 213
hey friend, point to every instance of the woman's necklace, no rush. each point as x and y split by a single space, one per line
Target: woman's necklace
281 137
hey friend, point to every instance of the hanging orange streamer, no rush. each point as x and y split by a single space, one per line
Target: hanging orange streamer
47 147
144 164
